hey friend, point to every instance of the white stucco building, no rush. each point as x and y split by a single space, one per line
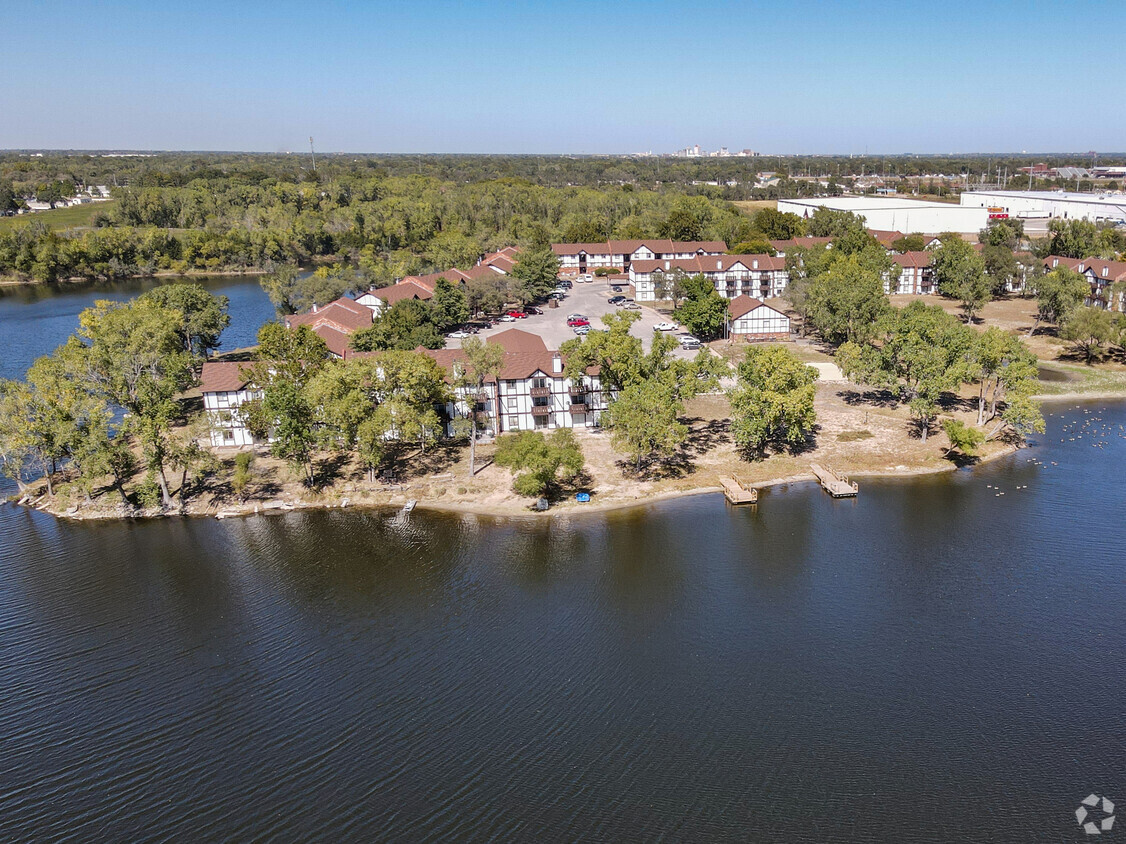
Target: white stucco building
761 276
755 320
225 390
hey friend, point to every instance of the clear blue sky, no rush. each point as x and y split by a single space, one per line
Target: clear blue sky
832 76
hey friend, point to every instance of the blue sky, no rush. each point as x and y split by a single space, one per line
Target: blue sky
563 77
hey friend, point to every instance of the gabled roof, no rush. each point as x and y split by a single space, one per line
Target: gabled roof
1104 270
885 238
345 314
514 340
742 304
710 264
222 377
1053 261
659 246
402 290
914 259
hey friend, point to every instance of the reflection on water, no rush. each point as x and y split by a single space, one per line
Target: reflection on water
688 670
35 319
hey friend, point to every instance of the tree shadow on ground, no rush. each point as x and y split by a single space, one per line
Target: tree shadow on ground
951 403
961 460
877 398
407 462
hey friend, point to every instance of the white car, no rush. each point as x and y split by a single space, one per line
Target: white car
577 316
457 335
581 329
631 306
665 326
506 318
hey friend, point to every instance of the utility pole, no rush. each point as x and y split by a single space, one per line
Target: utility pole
312 154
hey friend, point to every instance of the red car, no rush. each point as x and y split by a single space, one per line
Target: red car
575 322
517 314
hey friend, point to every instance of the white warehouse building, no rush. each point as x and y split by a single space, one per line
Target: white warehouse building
891 213
1068 205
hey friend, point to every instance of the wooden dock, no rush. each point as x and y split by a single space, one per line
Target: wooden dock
835 484
736 493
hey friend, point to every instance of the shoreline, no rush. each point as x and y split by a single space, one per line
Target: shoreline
513 508
8 281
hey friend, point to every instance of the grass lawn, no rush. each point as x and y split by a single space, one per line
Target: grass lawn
76 216
750 206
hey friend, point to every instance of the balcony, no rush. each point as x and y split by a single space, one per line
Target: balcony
577 389
541 392
578 407
540 410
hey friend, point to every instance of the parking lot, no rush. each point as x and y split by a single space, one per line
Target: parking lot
590 300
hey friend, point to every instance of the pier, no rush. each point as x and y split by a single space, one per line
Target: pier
736 493
837 485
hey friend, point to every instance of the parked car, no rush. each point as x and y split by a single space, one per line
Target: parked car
577 316
665 326
581 329
565 284
631 305
587 277
687 341
533 311
517 315
574 322
460 334
614 300
616 288
506 318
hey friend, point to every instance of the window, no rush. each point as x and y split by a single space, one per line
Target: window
539 383
542 421
514 423
228 436
511 401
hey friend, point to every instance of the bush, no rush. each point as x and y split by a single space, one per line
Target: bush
542 461
602 272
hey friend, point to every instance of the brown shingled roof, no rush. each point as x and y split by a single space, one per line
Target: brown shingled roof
222 377
743 304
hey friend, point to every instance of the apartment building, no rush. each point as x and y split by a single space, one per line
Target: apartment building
531 392
916 274
1107 279
335 323
225 390
758 276
578 258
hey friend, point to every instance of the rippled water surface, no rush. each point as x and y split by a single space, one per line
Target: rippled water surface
35 319
931 662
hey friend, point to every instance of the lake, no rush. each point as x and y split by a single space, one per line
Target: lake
36 318
933 661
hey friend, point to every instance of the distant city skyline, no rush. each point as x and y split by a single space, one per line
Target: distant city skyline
564 78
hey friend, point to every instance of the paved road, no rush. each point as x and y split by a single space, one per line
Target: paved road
588 299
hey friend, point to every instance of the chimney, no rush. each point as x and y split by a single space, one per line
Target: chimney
556 363
719 263
314 307
754 264
668 265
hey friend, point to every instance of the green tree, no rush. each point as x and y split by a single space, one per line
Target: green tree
670 286
289 360
643 422
203 316
293 293
920 351
536 271
777 225
1001 267
1058 293
482 364
772 403
826 222
1000 363
909 243
449 307
703 311
543 463
242 475
1089 331
962 437
960 273
846 301
136 359
404 326
1072 238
